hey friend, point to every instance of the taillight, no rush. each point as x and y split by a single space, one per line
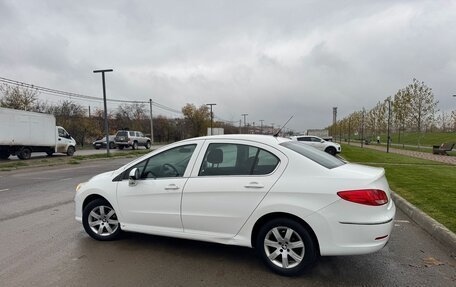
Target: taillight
374 197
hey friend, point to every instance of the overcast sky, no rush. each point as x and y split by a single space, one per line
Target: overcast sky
269 59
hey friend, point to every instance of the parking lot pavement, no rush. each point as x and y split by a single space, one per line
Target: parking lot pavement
42 245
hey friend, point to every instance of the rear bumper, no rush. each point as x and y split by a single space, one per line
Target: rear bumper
341 234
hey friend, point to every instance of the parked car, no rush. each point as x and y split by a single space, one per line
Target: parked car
319 143
101 143
132 139
290 202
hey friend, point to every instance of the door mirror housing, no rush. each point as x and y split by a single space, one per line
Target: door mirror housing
133 176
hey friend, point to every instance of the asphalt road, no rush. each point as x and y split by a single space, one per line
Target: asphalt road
42 245
41 155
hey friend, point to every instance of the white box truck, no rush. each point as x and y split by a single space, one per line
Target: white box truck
22 133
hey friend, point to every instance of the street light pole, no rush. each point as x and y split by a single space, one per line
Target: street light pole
362 128
388 129
244 115
261 126
151 124
212 116
105 106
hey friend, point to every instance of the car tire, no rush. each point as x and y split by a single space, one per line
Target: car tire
121 147
286 246
97 147
111 145
331 150
70 151
100 220
148 145
25 153
135 145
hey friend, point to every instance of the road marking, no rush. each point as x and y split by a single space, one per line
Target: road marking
63 179
4 189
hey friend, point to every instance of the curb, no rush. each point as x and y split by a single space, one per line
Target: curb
429 224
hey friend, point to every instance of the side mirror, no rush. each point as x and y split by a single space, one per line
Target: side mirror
322 141
133 176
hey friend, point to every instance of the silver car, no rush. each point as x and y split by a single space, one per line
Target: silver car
133 139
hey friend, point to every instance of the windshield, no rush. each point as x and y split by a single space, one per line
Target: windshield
314 154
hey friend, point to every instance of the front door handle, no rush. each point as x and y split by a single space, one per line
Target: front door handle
172 187
254 185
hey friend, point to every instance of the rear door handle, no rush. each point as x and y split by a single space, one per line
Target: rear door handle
254 185
172 187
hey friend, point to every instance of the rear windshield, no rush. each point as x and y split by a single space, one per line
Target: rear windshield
314 154
122 134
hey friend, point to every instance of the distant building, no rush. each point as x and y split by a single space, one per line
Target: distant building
323 133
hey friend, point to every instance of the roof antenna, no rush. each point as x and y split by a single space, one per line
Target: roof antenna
277 133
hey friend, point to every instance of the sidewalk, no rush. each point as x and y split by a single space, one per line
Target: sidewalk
417 154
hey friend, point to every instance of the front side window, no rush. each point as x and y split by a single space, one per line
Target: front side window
316 140
170 163
61 133
237 159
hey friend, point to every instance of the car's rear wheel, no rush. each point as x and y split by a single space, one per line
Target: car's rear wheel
121 147
135 145
111 145
148 145
286 246
100 220
25 153
331 150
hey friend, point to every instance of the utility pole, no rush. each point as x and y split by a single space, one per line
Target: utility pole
212 116
334 130
244 115
151 123
261 126
388 133
349 130
272 128
105 106
89 111
240 124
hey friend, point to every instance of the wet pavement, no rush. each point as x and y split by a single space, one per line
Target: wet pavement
42 245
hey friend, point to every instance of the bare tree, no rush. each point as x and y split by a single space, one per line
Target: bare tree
17 97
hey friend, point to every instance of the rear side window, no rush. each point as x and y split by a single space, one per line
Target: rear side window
237 159
318 156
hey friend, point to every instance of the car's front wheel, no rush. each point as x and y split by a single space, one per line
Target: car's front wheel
286 246
100 220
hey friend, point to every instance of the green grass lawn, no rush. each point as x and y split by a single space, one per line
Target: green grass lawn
429 185
424 139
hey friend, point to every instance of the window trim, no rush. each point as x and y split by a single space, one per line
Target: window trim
258 147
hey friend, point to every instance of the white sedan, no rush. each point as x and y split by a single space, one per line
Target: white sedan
291 202
319 143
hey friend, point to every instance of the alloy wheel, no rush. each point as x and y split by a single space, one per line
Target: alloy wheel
103 220
284 247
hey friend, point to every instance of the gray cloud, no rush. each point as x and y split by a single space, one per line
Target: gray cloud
269 59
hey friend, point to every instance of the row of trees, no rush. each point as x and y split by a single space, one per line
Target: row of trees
413 109
85 125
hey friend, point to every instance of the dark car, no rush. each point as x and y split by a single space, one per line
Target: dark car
101 143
